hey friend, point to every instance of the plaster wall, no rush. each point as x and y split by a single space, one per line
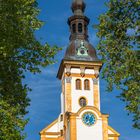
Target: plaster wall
62 103
110 132
77 94
54 128
77 70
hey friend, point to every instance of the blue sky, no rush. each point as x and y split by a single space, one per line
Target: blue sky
45 97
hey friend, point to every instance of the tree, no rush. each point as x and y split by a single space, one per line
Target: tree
11 126
20 52
119 33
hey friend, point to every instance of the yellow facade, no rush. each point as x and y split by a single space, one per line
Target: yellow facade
73 129
71 117
68 97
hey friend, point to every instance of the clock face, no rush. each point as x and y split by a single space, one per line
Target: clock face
88 118
82 51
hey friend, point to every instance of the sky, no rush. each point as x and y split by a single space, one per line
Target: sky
46 88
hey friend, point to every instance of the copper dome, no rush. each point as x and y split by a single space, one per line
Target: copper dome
71 52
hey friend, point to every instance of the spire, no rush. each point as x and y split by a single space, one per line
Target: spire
79 48
78 22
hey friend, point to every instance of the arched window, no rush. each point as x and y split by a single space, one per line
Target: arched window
82 102
86 85
78 84
80 29
74 28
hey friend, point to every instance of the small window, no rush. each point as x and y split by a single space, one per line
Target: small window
74 28
78 84
61 117
82 102
80 30
86 85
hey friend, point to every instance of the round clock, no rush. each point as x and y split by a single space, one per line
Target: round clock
88 118
82 51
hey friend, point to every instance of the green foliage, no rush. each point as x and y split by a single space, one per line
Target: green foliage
119 33
19 52
11 126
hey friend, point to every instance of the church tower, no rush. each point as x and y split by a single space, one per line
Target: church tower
80 116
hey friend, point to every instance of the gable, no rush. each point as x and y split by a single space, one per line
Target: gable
112 132
53 127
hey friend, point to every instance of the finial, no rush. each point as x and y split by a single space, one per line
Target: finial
78 22
78 7
82 43
78 1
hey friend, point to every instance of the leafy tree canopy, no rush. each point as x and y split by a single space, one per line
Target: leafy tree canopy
119 33
20 52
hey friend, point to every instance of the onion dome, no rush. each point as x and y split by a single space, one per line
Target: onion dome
79 47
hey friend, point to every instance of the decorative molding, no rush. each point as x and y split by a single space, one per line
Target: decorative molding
68 79
96 93
89 108
76 64
68 94
53 133
82 74
68 70
95 81
112 135
114 131
79 75
96 69
48 127
82 68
